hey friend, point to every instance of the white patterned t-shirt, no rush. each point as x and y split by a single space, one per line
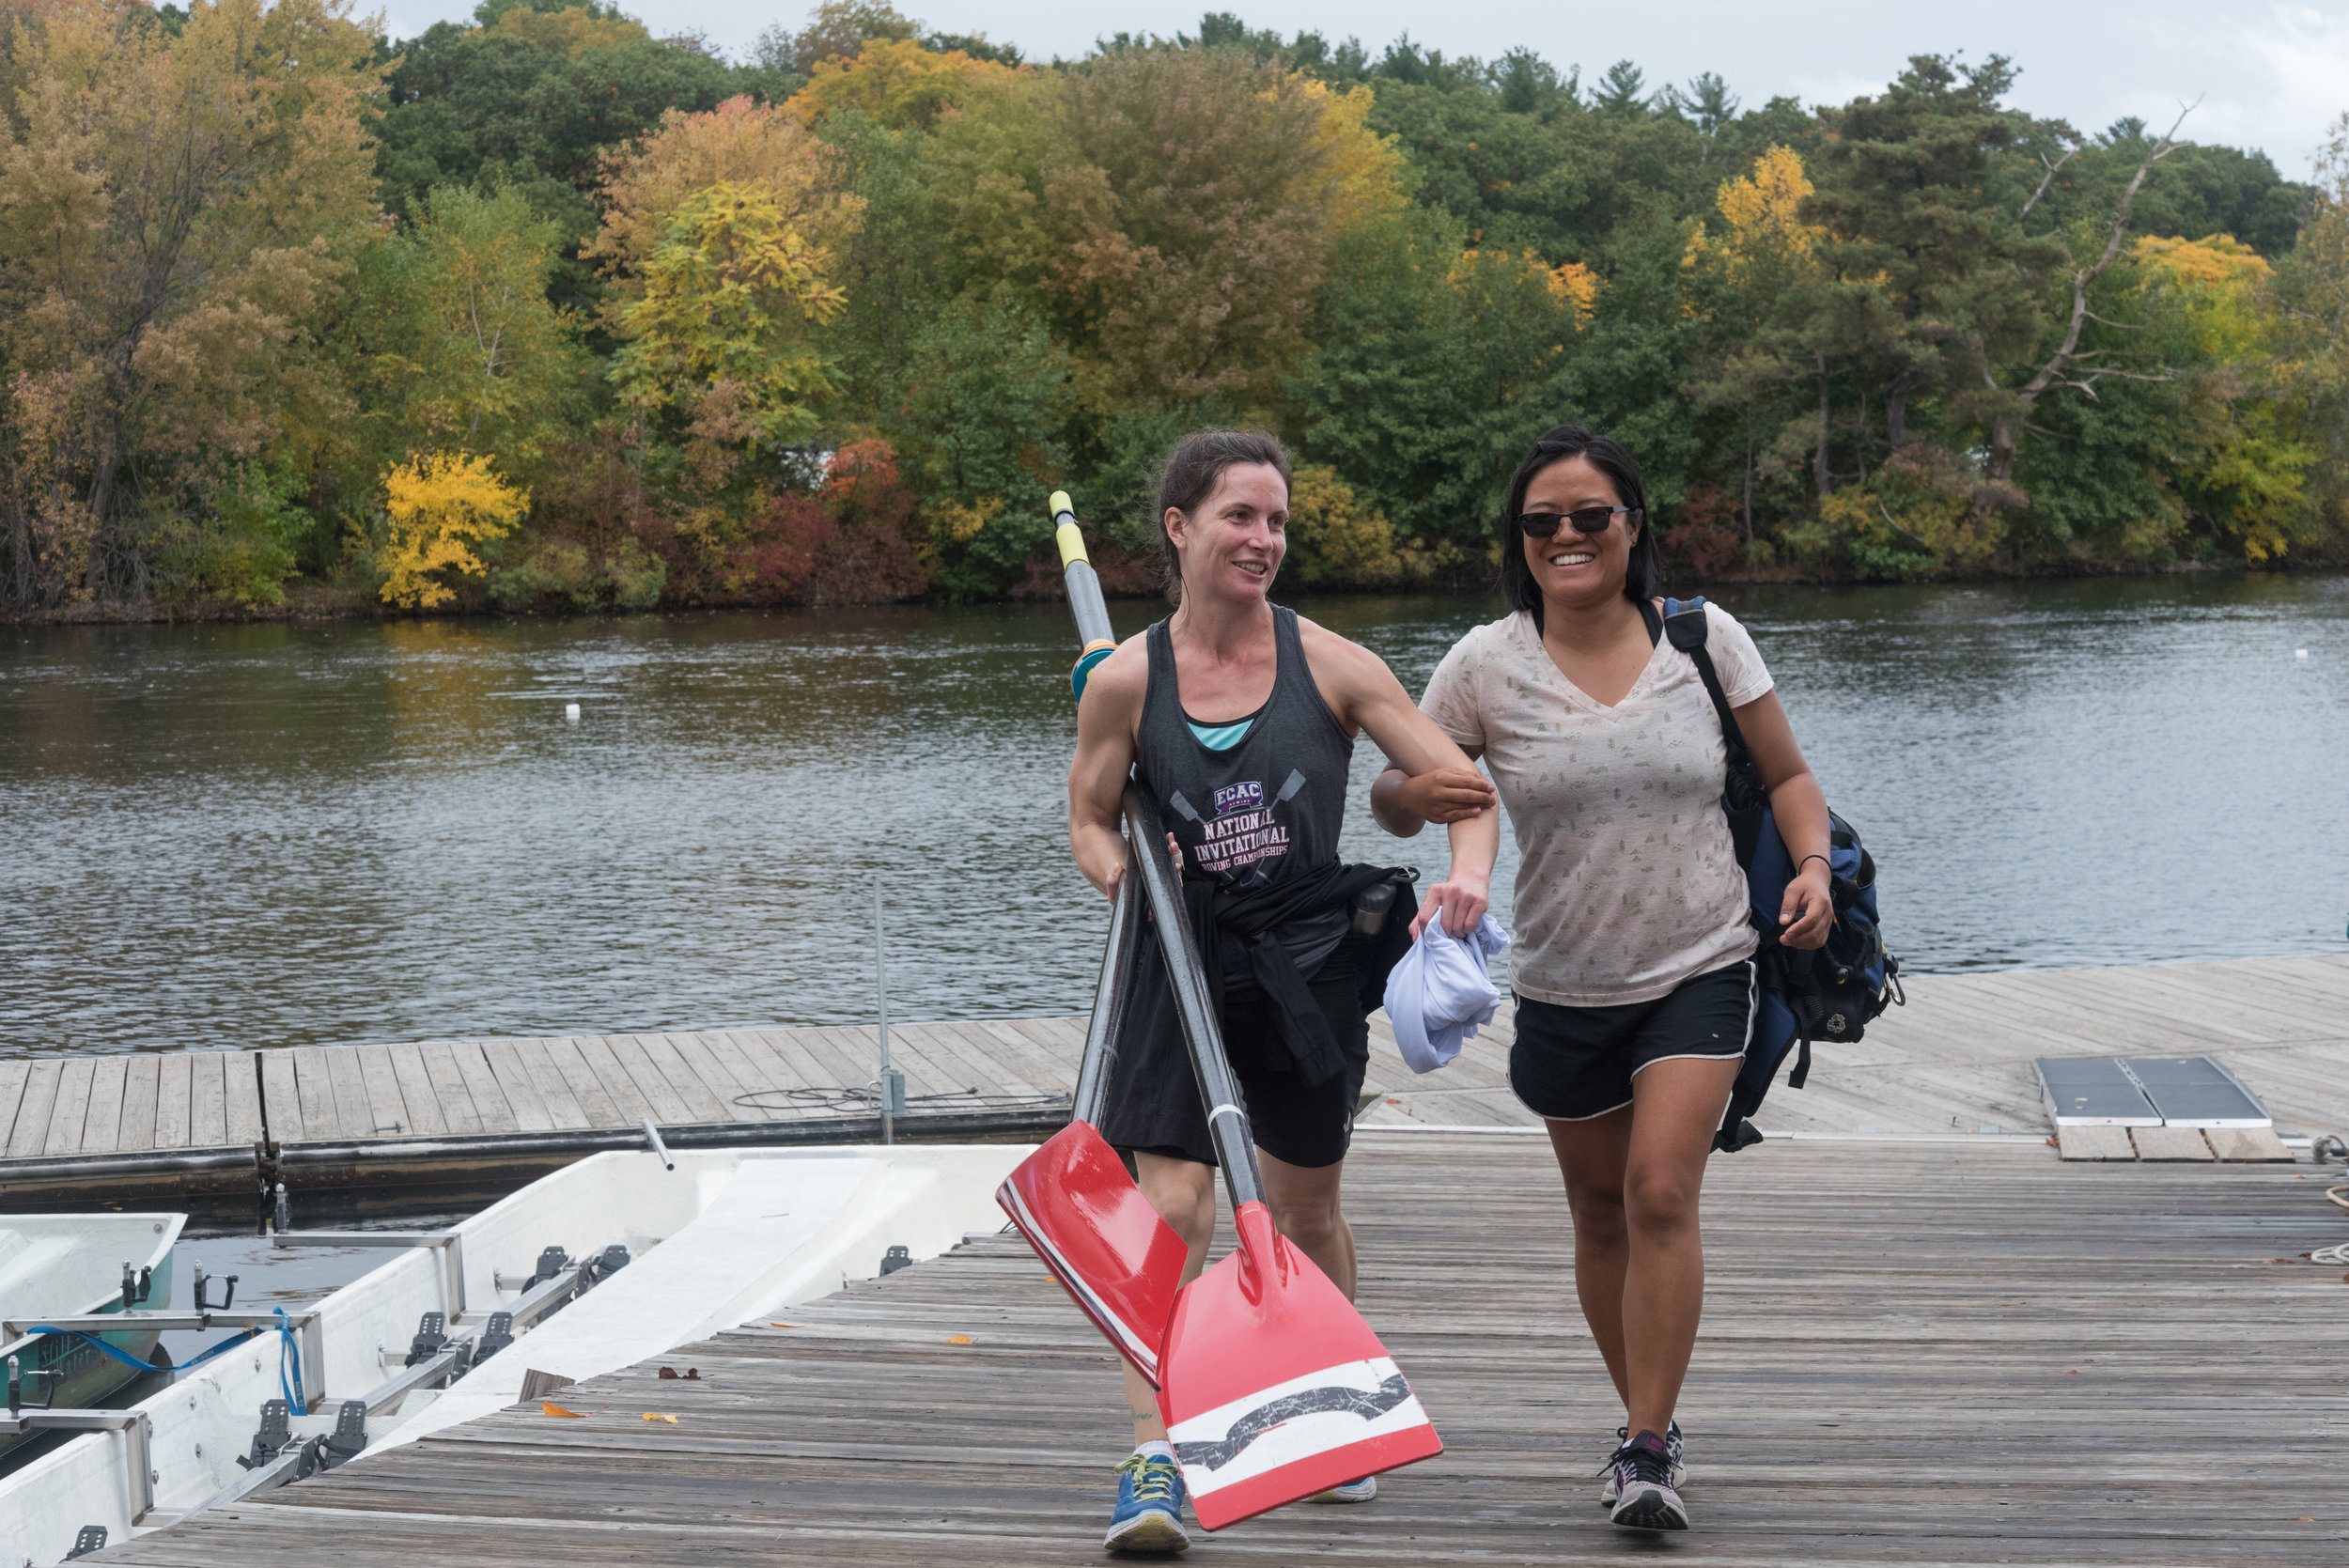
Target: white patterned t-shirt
1627 883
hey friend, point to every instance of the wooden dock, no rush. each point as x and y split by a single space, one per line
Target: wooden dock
1956 1060
1911 1354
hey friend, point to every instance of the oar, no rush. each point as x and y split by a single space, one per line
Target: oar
1272 1385
1072 1198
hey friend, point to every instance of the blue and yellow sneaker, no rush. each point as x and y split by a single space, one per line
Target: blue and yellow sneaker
1149 1517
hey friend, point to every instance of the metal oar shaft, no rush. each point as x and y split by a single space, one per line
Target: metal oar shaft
1227 1121
1112 999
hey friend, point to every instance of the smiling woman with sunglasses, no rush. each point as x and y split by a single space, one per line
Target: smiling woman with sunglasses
1633 960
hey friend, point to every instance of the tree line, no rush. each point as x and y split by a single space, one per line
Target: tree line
544 312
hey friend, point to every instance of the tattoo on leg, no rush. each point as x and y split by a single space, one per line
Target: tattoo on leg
1144 1415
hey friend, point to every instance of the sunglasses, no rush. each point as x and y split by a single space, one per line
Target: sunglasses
1590 519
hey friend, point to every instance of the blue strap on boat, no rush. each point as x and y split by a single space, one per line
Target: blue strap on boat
130 1361
288 1348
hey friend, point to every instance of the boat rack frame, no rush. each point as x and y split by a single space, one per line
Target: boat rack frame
454 1357
524 1311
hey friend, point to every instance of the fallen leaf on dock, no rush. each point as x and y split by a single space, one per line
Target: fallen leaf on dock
691 1374
786 1326
554 1409
958 1339
651 1415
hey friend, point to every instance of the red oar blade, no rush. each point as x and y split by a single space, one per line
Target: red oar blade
1273 1388
1101 1239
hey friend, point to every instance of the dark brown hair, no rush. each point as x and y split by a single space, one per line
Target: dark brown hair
1190 475
1643 574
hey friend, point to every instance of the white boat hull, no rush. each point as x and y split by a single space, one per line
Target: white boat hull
725 1237
72 1264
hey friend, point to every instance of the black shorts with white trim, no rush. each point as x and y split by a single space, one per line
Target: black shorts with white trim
1573 1064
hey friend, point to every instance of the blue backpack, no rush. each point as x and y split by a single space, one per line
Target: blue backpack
1828 993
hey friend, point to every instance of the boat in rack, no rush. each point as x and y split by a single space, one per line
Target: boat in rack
602 1265
90 1265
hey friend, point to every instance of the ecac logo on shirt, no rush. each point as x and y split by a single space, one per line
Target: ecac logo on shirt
1238 796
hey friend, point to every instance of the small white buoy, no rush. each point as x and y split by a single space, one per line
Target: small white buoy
570 712
2299 653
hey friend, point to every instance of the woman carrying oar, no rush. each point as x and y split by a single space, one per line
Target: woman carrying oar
1239 718
1633 958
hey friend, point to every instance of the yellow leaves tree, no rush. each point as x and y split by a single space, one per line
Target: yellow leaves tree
1193 198
571 31
741 142
2250 474
721 235
897 82
441 506
719 329
1337 539
1764 238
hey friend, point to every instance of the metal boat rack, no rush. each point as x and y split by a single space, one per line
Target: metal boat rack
277 1455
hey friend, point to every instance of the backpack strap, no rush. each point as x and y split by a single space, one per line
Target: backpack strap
1685 624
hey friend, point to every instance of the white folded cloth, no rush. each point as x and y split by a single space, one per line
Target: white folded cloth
1439 993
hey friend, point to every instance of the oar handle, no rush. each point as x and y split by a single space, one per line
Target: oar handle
1085 594
1227 1119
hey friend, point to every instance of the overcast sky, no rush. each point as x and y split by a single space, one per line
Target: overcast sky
2269 74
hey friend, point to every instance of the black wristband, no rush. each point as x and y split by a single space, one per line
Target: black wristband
1807 858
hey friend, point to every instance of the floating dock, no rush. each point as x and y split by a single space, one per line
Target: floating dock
1957 1061
1911 1354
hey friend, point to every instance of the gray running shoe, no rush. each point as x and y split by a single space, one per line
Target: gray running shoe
1644 1497
1676 1450
1353 1491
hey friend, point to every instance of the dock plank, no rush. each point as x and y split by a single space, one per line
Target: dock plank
651 1085
142 1089
701 1103
515 1083
490 1103
387 1106
449 1091
578 1075
71 1110
14 1071
313 1092
281 1097
555 1098
175 1095
354 1106
2083 1292
101 1113
241 1075
719 1065
417 1093
628 1102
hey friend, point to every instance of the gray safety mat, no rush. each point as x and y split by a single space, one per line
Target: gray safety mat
2093 1092
2195 1092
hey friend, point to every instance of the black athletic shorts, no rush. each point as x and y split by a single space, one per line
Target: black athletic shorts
1572 1063
1302 1124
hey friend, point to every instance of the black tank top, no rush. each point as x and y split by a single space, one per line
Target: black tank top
1267 809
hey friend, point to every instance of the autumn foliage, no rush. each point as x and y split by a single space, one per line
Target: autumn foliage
541 312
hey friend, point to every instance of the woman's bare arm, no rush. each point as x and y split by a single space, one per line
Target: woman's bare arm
1108 718
1373 701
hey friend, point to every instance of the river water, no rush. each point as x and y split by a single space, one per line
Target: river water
263 835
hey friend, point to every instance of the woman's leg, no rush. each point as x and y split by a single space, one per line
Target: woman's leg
1592 1156
1677 1106
1304 1204
1183 1192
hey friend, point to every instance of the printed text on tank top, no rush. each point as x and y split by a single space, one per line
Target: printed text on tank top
1265 808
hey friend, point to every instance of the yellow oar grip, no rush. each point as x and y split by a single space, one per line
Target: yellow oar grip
1072 545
